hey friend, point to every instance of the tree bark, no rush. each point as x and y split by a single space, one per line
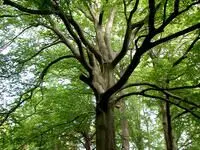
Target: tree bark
57 145
124 127
167 126
87 140
105 132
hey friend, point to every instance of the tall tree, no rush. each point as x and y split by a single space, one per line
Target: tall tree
101 36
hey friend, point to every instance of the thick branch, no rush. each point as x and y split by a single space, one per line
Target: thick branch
101 17
108 30
125 76
126 37
142 93
157 87
175 35
125 9
85 41
182 107
79 55
24 9
124 47
176 6
67 42
88 81
80 38
152 11
173 15
77 40
166 91
133 11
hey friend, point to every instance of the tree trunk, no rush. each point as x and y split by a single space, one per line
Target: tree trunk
103 79
87 140
57 145
124 127
167 127
105 133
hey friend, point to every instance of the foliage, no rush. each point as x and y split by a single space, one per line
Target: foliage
148 50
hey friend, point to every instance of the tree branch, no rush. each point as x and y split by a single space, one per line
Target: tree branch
91 13
152 12
157 87
67 42
173 15
85 42
182 107
86 14
108 30
14 38
78 53
77 40
186 52
30 11
45 70
101 17
142 93
176 6
125 9
135 61
182 113
12 16
165 91
21 101
62 16
165 10
80 38
126 37
175 35
41 50
133 11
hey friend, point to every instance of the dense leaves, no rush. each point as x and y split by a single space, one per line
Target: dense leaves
138 62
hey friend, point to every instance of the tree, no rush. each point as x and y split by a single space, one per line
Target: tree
103 36
43 123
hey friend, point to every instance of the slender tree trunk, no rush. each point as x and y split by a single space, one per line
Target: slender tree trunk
167 126
57 145
123 119
87 140
105 132
148 137
124 127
